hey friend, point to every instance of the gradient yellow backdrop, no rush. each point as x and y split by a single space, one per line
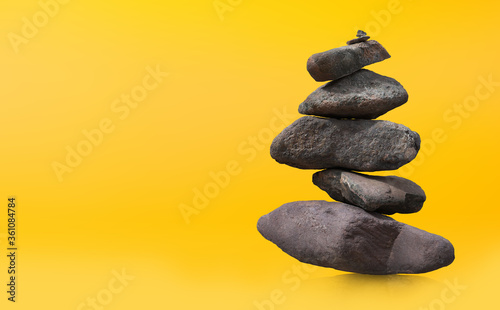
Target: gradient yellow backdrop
231 73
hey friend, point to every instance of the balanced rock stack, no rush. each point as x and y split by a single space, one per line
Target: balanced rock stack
340 136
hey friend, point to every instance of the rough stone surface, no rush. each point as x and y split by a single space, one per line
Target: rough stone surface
363 94
342 61
384 194
358 40
344 237
360 33
364 145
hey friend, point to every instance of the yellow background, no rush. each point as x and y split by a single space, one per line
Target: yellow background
228 74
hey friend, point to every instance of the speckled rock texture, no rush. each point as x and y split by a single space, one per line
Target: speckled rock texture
383 194
344 60
364 145
345 237
363 94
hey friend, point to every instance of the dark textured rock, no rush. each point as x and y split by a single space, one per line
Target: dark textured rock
384 194
344 237
364 145
358 40
363 94
360 33
342 61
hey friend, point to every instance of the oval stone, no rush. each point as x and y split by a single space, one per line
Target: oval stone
364 145
344 237
383 194
344 60
363 94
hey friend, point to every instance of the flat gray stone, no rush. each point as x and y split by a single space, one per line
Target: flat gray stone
364 145
342 61
358 40
345 237
383 194
363 94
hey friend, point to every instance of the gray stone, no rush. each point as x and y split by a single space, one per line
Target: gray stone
344 237
363 94
383 194
342 61
360 33
364 145
358 40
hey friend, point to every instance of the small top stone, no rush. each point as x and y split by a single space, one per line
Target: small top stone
360 33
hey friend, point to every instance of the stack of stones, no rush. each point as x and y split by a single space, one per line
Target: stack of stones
340 136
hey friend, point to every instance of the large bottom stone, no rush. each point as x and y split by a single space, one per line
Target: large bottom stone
347 238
